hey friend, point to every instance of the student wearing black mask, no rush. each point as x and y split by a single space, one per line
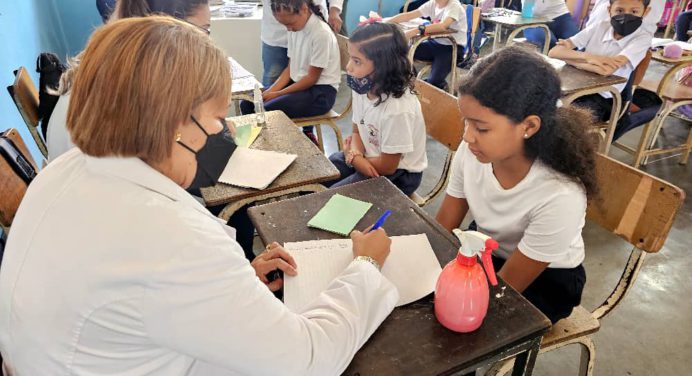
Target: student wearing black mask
613 47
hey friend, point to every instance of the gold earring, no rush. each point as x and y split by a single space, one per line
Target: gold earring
178 136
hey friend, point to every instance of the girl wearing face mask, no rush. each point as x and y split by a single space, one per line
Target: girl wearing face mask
523 172
388 129
613 47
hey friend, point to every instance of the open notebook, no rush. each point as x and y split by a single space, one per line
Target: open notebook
252 168
411 266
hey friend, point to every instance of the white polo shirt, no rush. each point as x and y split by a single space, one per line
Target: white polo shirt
396 126
274 33
598 39
315 46
543 215
550 9
650 23
453 9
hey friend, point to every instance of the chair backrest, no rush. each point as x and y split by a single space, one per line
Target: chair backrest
634 205
578 9
344 56
12 187
443 120
25 96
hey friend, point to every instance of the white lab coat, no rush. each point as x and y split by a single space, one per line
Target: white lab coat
113 269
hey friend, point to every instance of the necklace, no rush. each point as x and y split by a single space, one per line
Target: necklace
368 107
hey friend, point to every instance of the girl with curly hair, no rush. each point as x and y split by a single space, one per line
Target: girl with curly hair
388 129
523 172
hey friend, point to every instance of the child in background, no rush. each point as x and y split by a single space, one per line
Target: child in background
600 13
524 171
388 128
446 16
308 85
562 25
612 47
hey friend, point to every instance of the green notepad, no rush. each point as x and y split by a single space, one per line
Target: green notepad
340 215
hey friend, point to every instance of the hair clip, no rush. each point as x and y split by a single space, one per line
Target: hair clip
373 17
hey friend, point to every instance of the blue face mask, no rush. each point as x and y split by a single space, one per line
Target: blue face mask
359 85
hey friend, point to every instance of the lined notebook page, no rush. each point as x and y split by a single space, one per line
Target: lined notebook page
411 266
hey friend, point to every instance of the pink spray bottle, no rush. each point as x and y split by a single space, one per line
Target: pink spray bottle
461 294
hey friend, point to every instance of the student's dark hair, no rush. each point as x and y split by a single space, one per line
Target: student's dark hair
294 6
646 2
517 83
141 8
385 45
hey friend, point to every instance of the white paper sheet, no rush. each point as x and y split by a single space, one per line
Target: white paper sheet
252 168
411 266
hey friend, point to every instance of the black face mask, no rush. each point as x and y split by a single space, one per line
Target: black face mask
213 157
625 24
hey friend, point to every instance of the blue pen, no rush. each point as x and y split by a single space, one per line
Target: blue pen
380 221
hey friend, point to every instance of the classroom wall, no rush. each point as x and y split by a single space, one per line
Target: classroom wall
29 27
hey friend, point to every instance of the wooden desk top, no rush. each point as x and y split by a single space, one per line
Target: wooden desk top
282 135
513 18
410 341
658 56
575 79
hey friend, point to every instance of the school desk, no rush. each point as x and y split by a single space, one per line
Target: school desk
411 341
505 18
242 87
304 175
578 83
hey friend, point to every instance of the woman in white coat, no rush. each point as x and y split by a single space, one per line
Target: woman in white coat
111 267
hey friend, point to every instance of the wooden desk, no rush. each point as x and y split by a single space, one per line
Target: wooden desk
280 134
513 20
578 83
411 341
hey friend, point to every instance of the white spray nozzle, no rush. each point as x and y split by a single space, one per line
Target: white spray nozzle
473 243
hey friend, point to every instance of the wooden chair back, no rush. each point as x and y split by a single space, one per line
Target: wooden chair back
344 56
12 187
25 96
634 205
640 71
443 120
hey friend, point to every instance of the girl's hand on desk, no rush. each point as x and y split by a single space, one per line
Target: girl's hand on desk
375 244
273 258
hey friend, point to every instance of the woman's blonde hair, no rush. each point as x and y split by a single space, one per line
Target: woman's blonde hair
138 80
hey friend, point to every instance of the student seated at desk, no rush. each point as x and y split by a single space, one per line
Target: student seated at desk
388 128
111 268
308 85
612 47
601 12
562 25
523 172
447 16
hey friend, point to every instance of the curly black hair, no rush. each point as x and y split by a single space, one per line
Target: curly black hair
294 6
385 45
517 83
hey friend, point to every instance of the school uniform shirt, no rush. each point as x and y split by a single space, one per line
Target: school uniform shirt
396 126
315 46
58 140
599 13
453 10
275 34
113 269
599 39
543 215
550 9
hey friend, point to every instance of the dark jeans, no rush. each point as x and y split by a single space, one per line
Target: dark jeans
682 25
406 181
105 8
562 27
600 107
555 292
440 55
274 61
